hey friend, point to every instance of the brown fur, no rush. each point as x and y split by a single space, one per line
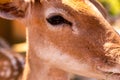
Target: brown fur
90 47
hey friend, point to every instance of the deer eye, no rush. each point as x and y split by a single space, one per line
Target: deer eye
58 20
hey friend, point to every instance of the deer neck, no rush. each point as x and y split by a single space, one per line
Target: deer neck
37 69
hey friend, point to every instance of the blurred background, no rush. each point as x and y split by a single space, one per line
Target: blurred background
14 32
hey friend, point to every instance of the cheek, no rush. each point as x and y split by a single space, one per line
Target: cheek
70 45
53 55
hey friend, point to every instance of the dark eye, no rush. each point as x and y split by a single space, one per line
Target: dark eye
57 20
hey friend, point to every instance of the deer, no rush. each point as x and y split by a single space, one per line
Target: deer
66 37
11 63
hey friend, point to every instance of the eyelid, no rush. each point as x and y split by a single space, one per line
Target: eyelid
57 11
53 10
53 14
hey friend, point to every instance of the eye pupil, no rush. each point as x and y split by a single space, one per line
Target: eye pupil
57 20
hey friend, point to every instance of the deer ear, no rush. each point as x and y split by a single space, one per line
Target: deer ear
99 6
13 9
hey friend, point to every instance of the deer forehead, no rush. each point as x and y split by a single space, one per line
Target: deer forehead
85 6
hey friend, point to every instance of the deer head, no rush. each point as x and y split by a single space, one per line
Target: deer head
71 35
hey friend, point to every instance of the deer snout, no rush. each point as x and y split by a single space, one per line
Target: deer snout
110 64
112 70
112 54
111 73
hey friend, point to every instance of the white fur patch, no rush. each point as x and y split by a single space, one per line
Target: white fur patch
64 61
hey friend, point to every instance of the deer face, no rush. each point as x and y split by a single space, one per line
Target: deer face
71 35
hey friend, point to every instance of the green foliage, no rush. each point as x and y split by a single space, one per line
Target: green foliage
113 6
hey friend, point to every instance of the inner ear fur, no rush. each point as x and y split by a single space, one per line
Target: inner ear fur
14 9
